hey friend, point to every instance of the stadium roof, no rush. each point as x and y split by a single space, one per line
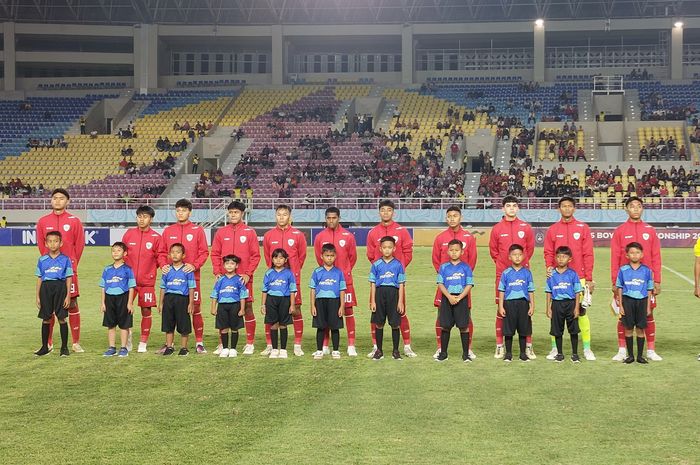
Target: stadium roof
245 12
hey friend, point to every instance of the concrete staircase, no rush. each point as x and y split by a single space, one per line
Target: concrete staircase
632 109
585 105
137 108
229 162
471 186
501 159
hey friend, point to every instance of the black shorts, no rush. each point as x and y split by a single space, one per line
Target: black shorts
277 310
227 316
116 313
516 318
175 314
635 312
387 300
563 312
454 315
327 314
52 294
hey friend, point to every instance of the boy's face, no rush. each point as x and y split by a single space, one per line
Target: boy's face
177 254
282 216
230 266
235 216
143 220
566 209
182 214
328 258
59 202
562 260
386 214
387 248
53 243
279 261
634 210
118 253
634 255
454 219
454 252
332 220
516 257
511 210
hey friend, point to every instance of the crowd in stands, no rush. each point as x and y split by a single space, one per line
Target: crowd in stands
562 143
17 188
323 114
654 109
128 133
34 143
164 145
209 185
663 150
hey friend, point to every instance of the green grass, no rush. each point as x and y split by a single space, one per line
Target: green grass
147 409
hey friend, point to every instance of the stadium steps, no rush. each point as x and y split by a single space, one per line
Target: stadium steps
502 157
181 187
385 118
132 115
471 185
632 108
229 162
585 105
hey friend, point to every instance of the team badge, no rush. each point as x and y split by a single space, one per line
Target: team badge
149 245
645 236
189 237
577 235
341 242
290 242
66 227
464 245
521 234
243 239
396 238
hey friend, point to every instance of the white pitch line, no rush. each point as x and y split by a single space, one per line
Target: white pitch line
680 275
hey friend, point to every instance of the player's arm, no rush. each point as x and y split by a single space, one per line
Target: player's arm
38 287
160 301
352 251
493 244
312 297
471 253
372 298
79 241
549 252
588 258
576 306
407 248
532 304
267 250
317 250
444 290
40 238
241 307
66 302
529 243
161 252
263 299
501 308
190 302
202 250
292 305
341 308
253 254
650 294
371 248
656 262
436 254
614 258
130 302
216 264
401 306
465 292
548 308
301 251
213 306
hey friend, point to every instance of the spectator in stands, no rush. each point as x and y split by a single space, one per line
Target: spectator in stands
195 163
643 153
580 154
82 125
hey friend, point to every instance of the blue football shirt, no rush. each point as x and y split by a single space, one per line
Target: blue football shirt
117 280
228 290
516 284
54 269
564 285
177 281
328 283
635 283
455 277
279 283
385 273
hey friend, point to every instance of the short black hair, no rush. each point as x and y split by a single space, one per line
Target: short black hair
634 245
279 252
631 199
177 244
455 242
335 210
146 209
563 250
387 239
566 198
454 208
328 248
121 245
387 203
60 190
283 206
54 233
515 247
231 258
184 203
509 199
236 205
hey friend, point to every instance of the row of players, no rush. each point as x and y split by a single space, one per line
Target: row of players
148 252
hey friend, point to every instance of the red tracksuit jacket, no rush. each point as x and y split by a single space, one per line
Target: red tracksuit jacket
193 238
146 254
404 243
506 233
240 240
440 247
293 241
577 236
345 246
639 231
71 229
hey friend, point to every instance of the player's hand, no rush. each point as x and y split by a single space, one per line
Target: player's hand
213 311
190 309
241 312
263 310
313 311
657 288
531 310
401 308
130 308
576 312
340 311
66 302
103 308
454 299
502 312
245 278
697 291
38 303
292 309
165 269
160 309
550 269
189 267
373 307
549 313
591 286
622 310
217 276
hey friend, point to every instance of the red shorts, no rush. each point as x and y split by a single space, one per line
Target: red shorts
653 302
438 299
146 296
350 297
74 290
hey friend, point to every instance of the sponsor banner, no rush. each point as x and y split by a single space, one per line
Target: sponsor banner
672 238
359 233
27 236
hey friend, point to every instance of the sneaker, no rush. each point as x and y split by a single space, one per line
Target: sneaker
111 351
200 349
588 355
442 356
559 358
223 353
123 352
45 350
143 348
524 357
267 351
466 358
378 354
575 358
283 353
437 353
698 357
374 351
317 355
653 356
499 352
472 355
50 347
77 348
552 354
233 353
129 342
352 352
162 350
642 360
396 355
530 353
218 350
297 350
183 352
274 353
628 360
168 351
335 355
408 352
621 355
65 352
249 349
507 358
326 350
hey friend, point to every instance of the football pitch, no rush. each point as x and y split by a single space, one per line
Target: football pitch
201 409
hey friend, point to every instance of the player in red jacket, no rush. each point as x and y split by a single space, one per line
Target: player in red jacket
636 230
71 229
576 235
146 253
345 259
454 231
194 239
239 239
403 253
510 230
289 238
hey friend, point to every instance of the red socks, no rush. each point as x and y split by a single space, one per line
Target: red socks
198 324
146 322
621 343
438 331
74 322
499 331
249 322
471 333
298 322
350 325
650 332
52 322
268 339
373 332
405 330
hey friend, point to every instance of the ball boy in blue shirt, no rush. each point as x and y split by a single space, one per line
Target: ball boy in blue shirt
176 302
516 303
328 286
564 290
228 305
118 287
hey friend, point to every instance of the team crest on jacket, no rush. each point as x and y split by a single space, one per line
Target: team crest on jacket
243 239
521 234
464 245
66 227
189 237
290 242
577 235
645 236
396 238
341 242
149 245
